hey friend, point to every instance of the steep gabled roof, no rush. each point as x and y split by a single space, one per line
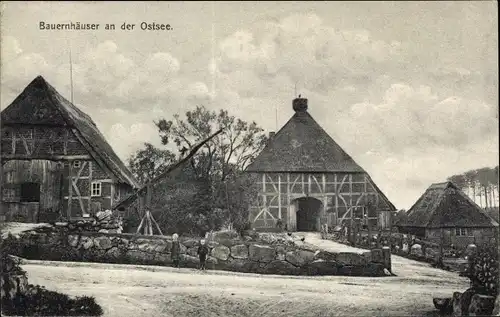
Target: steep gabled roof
445 205
40 103
303 146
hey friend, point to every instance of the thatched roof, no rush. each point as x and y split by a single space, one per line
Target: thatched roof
303 146
445 205
40 103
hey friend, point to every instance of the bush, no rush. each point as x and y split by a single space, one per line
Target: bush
483 271
40 302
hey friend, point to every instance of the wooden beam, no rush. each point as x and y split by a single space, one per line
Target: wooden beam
90 188
70 188
157 226
279 196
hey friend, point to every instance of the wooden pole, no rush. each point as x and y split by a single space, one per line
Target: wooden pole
157 226
369 228
150 223
140 226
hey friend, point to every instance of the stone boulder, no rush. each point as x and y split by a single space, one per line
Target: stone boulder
299 257
461 302
431 253
261 253
114 253
280 267
183 248
73 240
189 261
163 259
212 244
416 250
306 246
145 245
348 258
240 265
103 243
221 252
161 248
86 243
212 261
192 251
351 270
373 269
324 255
321 267
444 305
496 310
224 235
139 257
280 253
481 305
239 251
191 243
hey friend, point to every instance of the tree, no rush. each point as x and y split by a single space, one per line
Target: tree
213 189
471 177
400 217
230 151
483 175
149 162
460 180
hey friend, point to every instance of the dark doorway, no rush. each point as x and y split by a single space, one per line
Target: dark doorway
308 214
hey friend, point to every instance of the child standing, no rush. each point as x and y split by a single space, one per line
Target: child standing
176 250
202 253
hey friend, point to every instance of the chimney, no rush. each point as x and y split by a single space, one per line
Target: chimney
300 104
271 137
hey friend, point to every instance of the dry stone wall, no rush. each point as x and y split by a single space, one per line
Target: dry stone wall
259 253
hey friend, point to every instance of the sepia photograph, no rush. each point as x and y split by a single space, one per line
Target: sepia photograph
249 158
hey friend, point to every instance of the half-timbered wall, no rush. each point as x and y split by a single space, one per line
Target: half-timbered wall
71 182
40 142
343 196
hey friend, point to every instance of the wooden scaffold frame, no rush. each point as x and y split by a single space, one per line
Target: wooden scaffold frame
147 221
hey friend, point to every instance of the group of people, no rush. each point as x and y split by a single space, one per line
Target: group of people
176 252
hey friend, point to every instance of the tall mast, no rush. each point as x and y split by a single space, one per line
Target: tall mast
71 74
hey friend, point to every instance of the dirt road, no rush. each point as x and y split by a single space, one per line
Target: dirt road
125 290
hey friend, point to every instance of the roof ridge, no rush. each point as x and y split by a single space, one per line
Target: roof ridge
303 145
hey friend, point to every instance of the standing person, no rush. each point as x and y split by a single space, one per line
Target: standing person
176 250
202 253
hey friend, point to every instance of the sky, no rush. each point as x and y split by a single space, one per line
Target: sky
408 89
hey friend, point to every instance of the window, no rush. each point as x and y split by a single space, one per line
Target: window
30 192
77 164
8 194
96 189
463 232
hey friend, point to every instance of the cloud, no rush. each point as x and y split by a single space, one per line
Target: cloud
305 49
415 117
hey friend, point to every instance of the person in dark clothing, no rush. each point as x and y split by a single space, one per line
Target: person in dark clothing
202 253
176 250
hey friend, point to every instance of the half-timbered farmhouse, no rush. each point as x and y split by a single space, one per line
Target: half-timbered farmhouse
307 180
444 214
56 164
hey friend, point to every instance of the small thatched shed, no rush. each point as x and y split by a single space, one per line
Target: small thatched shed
446 215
